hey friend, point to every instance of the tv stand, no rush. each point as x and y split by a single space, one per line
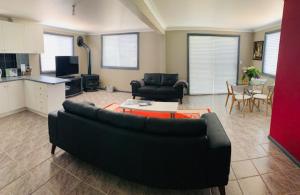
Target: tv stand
73 86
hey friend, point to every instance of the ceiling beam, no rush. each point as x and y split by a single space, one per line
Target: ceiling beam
143 11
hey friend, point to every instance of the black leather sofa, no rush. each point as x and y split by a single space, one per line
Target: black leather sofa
159 86
164 153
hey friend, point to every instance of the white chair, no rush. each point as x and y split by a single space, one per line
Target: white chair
229 92
240 95
268 98
257 86
257 89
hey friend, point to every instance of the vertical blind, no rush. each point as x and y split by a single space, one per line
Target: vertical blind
55 45
271 53
120 51
212 61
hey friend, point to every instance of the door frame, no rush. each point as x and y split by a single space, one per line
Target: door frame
210 35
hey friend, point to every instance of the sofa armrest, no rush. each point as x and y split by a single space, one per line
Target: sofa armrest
52 125
136 84
181 83
219 150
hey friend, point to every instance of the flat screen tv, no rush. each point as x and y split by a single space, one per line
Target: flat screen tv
66 65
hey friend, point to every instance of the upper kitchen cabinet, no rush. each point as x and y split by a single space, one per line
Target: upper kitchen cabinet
34 41
21 37
12 36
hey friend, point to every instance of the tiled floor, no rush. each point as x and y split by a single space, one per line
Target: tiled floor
27 167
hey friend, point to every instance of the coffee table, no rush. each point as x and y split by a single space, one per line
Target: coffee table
165 107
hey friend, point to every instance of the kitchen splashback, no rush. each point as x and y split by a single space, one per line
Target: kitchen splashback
12 61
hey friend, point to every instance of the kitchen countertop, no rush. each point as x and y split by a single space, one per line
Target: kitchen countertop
40 79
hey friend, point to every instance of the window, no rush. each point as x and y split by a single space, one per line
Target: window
213 60
120 51
55 45
271 53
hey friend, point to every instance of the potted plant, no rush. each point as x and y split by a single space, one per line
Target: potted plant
249 73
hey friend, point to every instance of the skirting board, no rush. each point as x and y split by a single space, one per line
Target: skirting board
21 110
12 112
285 151
37 112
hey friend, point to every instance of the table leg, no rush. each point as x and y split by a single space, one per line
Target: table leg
172 115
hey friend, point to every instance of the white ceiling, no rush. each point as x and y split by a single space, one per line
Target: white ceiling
223 14
101 16
92 16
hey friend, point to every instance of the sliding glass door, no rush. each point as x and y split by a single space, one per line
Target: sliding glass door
212 60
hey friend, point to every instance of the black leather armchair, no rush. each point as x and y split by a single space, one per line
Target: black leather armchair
164 153
159 86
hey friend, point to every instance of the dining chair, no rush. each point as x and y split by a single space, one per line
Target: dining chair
229 92
257 89
240 95
267 98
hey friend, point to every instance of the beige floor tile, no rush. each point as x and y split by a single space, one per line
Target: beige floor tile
62 183
294 177
283 162
24 136
84 189
80 169
244 169
253 186
265 165
4 160
10 173
102 181
277 183
36 157
43 191
294 193
62 159
271 149
232 188
32 180
255 152
232 176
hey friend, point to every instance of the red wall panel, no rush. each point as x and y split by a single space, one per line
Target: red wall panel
285 123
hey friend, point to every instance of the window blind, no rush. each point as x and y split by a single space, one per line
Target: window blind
212 61
271 53
55 45
120 51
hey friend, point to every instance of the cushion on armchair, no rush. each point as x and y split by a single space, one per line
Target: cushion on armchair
152 79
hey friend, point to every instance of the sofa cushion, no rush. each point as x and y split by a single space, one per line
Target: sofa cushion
84 109
148 89
169 79
176 127
152 79
121 120
166 90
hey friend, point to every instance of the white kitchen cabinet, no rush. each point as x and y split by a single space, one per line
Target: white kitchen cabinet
4 98
38 94
12 35
16 95
11 96
21 37
33 38
2 45
44 98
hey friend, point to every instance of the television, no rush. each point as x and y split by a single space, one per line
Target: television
66 65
